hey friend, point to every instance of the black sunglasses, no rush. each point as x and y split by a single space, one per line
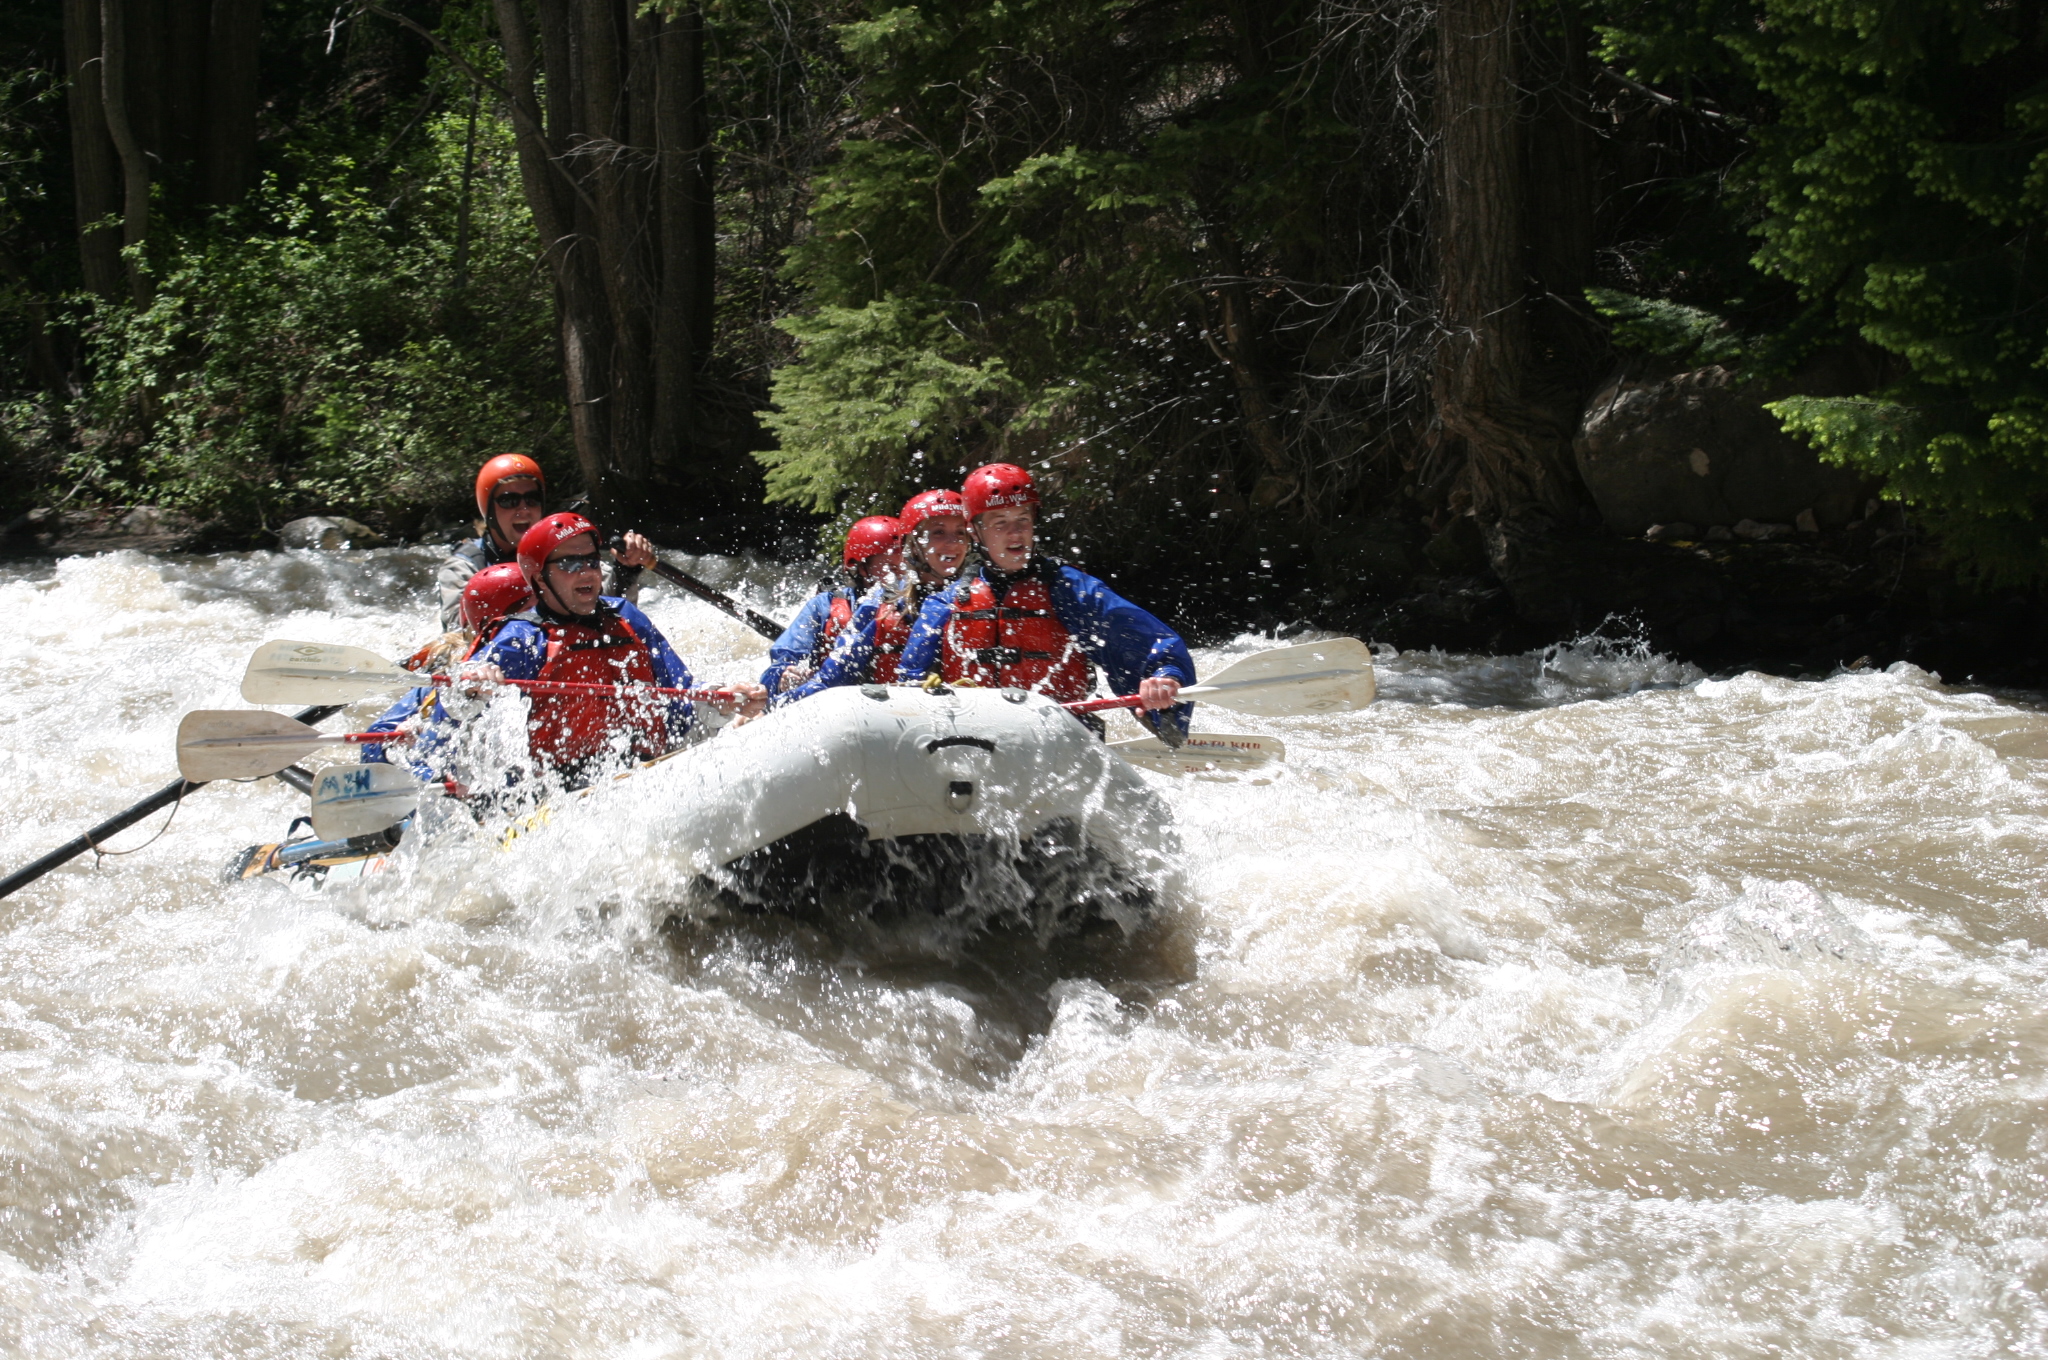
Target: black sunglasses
574 564
512 500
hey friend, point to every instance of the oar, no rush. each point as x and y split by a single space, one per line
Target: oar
121 821
717 599
760 623
348 800
358 800
297 672
241 744
1199 751
1286 682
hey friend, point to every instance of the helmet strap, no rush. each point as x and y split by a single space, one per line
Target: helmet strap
553 602
497 534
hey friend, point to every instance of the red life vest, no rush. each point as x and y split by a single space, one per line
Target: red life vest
892 630
564 730
485 636
1013 641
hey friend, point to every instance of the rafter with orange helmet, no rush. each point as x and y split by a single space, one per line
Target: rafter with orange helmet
570 632
511 496
1022 620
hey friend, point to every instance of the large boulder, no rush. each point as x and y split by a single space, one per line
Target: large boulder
328 533
1698 447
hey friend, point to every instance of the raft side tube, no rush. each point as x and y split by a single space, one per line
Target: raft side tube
900 762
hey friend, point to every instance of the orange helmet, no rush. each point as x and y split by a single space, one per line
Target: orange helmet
930 505
870 537
493 593
539 542
497 470
995 486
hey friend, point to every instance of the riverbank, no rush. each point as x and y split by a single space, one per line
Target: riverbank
1803 604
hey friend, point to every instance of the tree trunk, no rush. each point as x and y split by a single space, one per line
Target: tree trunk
682 319
1511 451
462 209
180 68
234 44
619 224
552 198
157 88
1235 342
134 166
95 165
1562 193
614 170
42 354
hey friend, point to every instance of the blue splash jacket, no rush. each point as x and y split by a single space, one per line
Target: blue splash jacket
521 648
1128 643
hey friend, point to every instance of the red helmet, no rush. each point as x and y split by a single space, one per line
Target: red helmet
870 537
539 542
930 505
995 486
493 593
497 470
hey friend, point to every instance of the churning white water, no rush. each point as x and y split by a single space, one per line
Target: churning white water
1571 1005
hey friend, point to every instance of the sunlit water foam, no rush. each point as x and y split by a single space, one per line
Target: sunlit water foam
1558 1005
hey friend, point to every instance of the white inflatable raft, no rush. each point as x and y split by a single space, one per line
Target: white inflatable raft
883 802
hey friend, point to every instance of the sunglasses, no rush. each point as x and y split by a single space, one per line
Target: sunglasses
512 500
575 564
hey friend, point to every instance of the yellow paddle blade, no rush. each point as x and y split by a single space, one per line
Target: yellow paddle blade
318 673
356 800
1202 751
1332 676
237 744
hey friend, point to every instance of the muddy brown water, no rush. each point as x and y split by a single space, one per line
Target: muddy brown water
1570 1004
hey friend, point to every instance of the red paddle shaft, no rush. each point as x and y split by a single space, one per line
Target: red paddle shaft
1102 705
1114 701
579 687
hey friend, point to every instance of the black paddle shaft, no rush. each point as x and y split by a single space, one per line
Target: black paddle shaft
760 623
718 599
121 821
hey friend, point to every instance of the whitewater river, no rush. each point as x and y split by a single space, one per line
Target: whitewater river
1573 1005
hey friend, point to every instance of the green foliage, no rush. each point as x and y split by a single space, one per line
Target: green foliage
1668 329
1010 261
1901 188
877 381
308 352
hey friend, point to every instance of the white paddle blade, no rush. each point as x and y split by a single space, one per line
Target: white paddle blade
315 673
1333 676
1202 751
356 800
235 744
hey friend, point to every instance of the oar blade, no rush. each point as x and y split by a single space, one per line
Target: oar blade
284 672
1331 676
237 744
1220 752
357 800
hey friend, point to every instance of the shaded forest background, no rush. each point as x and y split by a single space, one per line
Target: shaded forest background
1305 296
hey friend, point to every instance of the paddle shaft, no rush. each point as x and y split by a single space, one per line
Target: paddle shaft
717 599
310 739
567 687
1187 695
162 798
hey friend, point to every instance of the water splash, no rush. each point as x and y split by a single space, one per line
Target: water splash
1560 1004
